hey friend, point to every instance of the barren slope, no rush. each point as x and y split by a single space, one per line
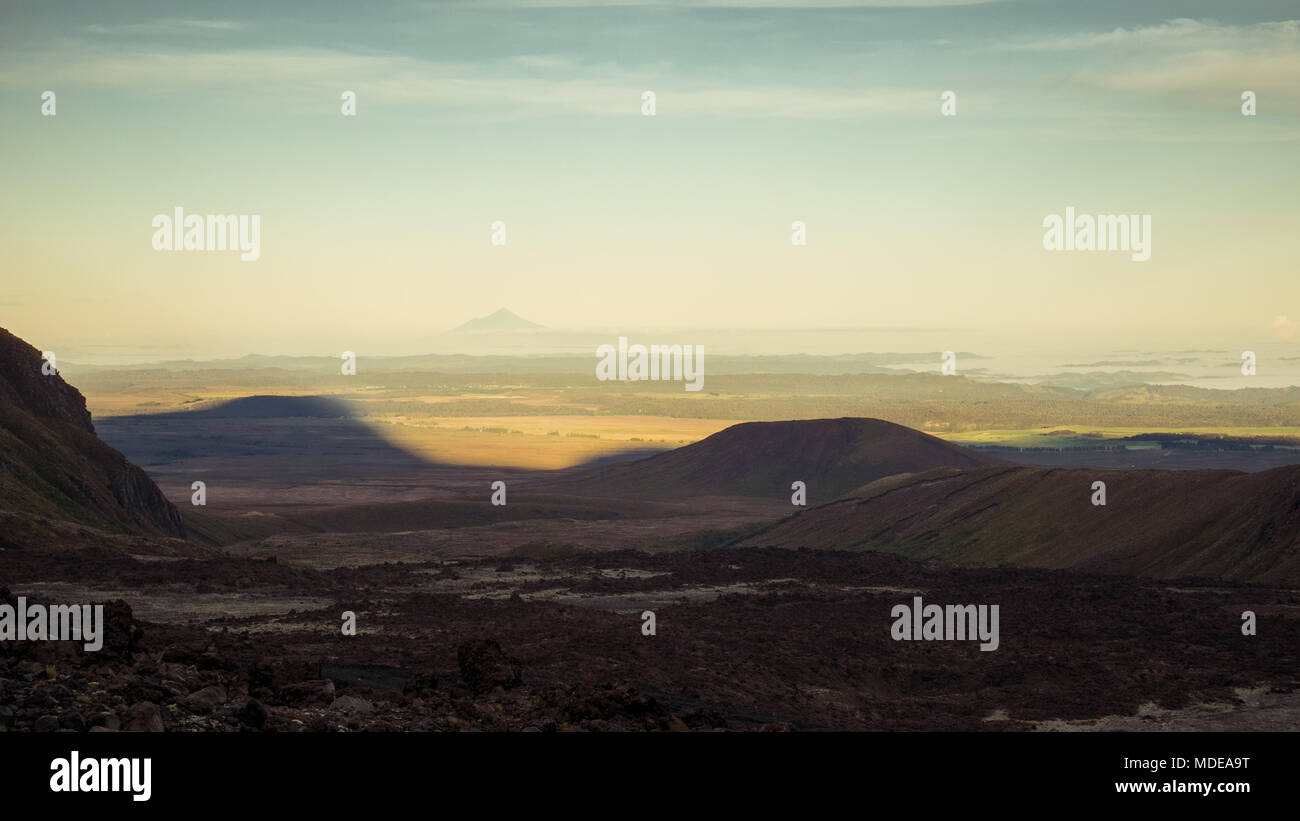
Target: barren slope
1168 524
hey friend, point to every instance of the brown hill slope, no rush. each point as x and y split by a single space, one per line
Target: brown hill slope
1167 524
53 465
831 456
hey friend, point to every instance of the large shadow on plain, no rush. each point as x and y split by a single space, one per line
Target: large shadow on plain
310 441
308 438
289 437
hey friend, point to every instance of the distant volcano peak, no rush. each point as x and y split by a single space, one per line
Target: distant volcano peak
502 320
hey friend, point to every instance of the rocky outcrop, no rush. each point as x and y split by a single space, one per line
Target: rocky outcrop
24 385
484 666
53 466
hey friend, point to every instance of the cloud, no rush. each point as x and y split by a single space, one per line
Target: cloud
511 87
1200 60
1182 34
738 4
167 26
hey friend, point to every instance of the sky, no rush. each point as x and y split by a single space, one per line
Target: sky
376 228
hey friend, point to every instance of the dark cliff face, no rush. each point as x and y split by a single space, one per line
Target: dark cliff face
51 463
24 385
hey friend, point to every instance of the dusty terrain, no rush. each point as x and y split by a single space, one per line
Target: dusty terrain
528 615
746 639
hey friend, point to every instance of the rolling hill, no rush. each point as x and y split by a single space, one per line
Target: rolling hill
1219 524
831 456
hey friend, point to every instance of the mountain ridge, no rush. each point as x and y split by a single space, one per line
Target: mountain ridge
52 464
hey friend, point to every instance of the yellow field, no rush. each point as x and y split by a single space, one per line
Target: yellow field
530 442
1043 437
556 440
539 442
133 401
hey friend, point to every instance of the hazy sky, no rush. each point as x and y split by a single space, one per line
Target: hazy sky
375 228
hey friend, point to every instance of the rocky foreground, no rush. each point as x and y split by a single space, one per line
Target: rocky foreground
746 639
202 682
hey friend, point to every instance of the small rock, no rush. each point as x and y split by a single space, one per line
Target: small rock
254 714
122 634
73 721
422 684
106 721
309 692
484 666
352 704
47 724
207 699
144 717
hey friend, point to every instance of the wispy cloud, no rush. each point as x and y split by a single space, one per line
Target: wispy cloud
528 84
1201 60
1183 34
166 26
1180 60
739 4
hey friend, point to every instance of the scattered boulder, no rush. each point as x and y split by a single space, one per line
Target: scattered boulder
72 721
143 717
352 704
105 721
308 692
267 678
122 633
484 666
207 699
254 714
422 685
